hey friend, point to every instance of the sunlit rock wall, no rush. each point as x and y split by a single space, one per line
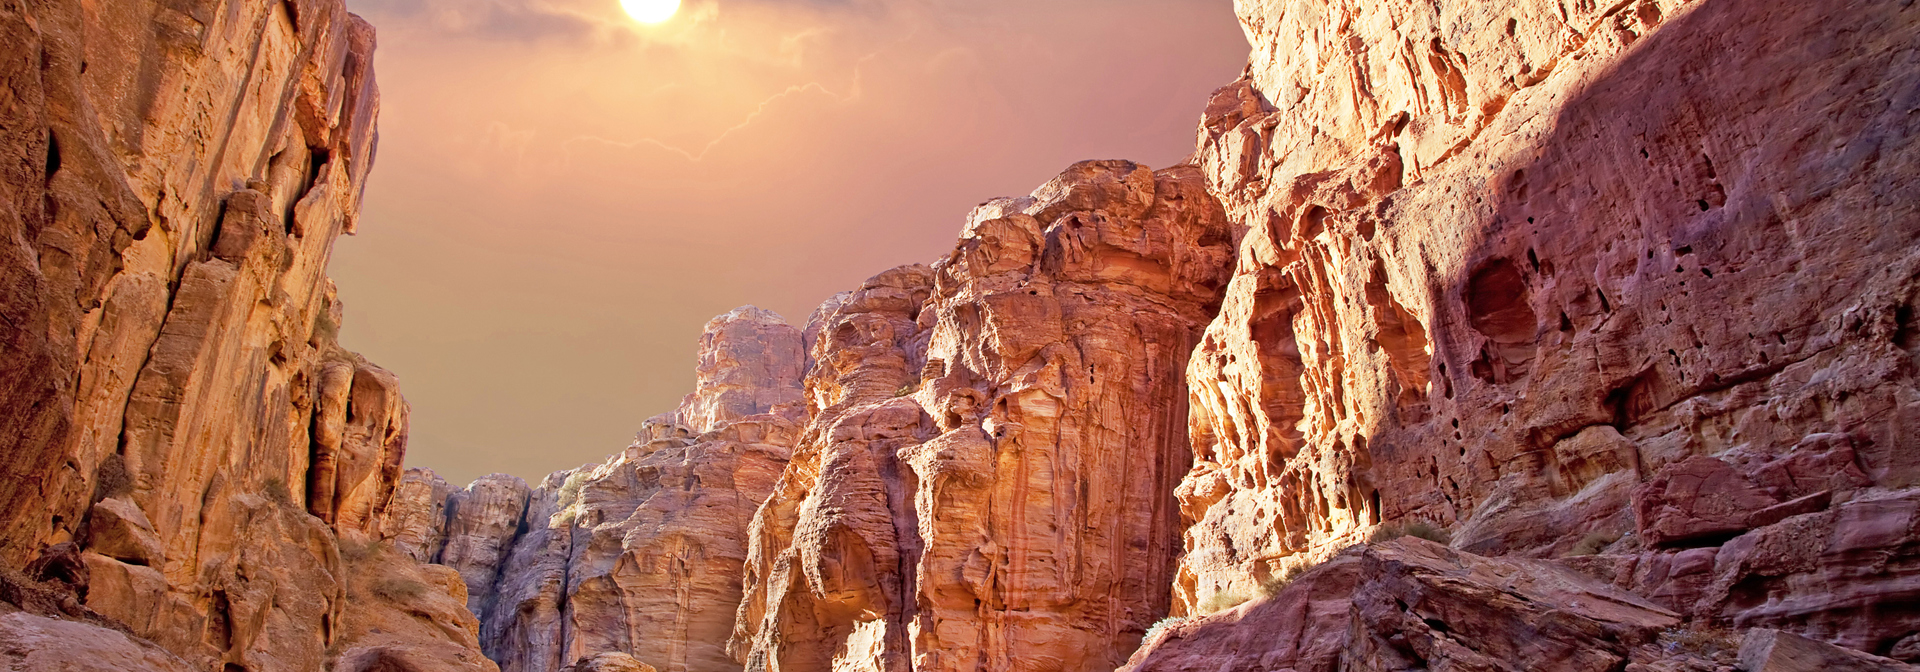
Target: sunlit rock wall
641 555
986 481
182 441
1633 280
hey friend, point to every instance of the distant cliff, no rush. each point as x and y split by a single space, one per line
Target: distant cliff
185 451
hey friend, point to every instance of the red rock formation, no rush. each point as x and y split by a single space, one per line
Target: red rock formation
175 405
1413 604
638 558
1631 278
985 482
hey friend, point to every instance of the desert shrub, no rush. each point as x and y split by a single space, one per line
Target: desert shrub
1274 583
325 330
1222 600
570 489
906 389
1412 528
1702 641
356 551
570 497
1163 624
1593 543
397 589
276 489
112 479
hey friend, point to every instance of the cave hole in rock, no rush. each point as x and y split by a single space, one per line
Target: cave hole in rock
1632 400
53 155
1498 307
1313 222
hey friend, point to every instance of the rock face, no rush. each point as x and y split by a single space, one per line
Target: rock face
482 522
634 563
40 643
1635 278
182 441
985 481
1413 604
417 519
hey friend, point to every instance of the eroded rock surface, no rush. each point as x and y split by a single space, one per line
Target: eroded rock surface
1634 279
183 443
986 480
634 563
1413 604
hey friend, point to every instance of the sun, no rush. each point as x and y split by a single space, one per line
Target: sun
650 11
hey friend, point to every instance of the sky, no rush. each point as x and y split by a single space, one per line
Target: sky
563 196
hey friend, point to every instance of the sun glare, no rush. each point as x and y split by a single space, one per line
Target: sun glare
650 11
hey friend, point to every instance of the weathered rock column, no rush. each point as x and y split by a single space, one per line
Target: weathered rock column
987 482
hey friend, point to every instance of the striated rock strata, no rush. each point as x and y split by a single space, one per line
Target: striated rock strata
963 466
986 478
1413 604
1631 282
634 563
183 445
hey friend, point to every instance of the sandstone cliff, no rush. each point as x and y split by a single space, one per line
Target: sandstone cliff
983 461
640 556
183 445
986 480
1632 282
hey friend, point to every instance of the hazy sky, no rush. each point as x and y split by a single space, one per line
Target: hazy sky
564 197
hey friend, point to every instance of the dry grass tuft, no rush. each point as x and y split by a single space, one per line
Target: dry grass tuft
1222 601
397 589
357 551
276 489
1163 624
1594 543
1411 528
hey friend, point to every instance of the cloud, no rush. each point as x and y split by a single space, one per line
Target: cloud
510 20
759 110
584 22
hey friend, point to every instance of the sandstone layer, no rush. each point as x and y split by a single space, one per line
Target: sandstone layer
633 564
1629 281
183 444
1413 604
985 481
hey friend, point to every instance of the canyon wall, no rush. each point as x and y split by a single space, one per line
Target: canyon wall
964 466
184 447
641 555
1630 285
986 481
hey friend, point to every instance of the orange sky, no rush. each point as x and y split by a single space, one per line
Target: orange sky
563 197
